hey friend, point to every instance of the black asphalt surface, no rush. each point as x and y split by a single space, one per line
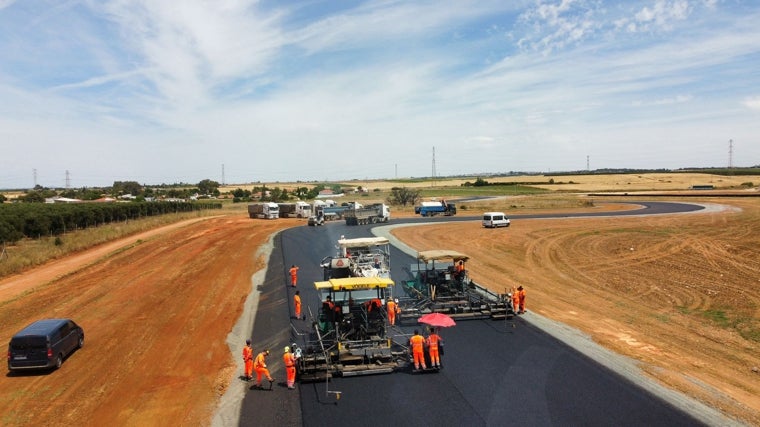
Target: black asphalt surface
496 373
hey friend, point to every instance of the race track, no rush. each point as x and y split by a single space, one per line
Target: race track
495 372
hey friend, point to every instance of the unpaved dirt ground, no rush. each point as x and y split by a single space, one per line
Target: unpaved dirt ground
156 309
674 292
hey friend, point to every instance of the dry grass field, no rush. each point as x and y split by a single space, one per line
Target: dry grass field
678 293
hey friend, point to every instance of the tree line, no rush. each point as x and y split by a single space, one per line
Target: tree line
19 220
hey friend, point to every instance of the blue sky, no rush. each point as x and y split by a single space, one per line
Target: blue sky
266 91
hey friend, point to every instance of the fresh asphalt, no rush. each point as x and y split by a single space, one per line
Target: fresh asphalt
496 373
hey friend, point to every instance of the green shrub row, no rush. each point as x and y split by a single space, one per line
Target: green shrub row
19 220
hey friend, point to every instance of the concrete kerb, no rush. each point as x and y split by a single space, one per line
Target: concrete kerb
624 366
230 404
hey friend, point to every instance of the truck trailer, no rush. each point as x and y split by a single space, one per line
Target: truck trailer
371 214
264 210
295 210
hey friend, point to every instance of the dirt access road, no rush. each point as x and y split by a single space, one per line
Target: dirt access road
158 309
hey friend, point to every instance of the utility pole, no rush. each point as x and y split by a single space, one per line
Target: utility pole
588 165
730 153
433 165
34 173
68 180
222 173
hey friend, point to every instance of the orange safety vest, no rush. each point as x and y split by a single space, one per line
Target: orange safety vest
247 353
293 271
417 342
432 341
297 300
392 308
289 359
260 362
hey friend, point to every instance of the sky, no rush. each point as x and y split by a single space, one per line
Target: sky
241 91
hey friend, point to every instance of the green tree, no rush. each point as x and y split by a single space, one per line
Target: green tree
33 196
403 196
209 187
126 187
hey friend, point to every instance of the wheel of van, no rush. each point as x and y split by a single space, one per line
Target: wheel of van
58 361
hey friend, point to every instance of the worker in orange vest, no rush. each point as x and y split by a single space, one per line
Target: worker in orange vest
432 341
521 295
393 309
417 344
297 304
248 360
293 275
515 300
290 367
260 365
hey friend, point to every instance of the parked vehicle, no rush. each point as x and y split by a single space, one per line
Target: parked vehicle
265 210
372 214
295 210
495 219
44 344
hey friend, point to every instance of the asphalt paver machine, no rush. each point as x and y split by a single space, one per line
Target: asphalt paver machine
440 283
349 335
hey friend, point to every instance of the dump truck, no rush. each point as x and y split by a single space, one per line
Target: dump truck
264 210
440 283
372 214
295 210
436 208
360 257
350 332
329 209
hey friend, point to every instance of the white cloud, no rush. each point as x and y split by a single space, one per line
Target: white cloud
753 103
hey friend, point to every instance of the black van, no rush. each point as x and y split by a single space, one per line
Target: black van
44 344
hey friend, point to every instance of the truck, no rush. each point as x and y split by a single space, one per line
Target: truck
372 214
264 210
436 208
295 210
329 209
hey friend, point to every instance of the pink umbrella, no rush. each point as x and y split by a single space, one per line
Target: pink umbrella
437 319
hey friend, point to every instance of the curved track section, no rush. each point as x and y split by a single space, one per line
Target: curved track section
495 373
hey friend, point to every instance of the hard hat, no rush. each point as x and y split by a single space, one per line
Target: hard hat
396 300
287 349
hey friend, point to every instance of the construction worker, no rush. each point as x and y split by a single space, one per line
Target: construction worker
417 344
393 309
521 295
297 304
459 269
290 367
260 365
515 300
248 360
372 304
433 341
293 275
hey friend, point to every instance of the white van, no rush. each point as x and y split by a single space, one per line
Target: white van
495 219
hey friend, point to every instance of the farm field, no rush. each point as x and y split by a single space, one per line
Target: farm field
652 288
